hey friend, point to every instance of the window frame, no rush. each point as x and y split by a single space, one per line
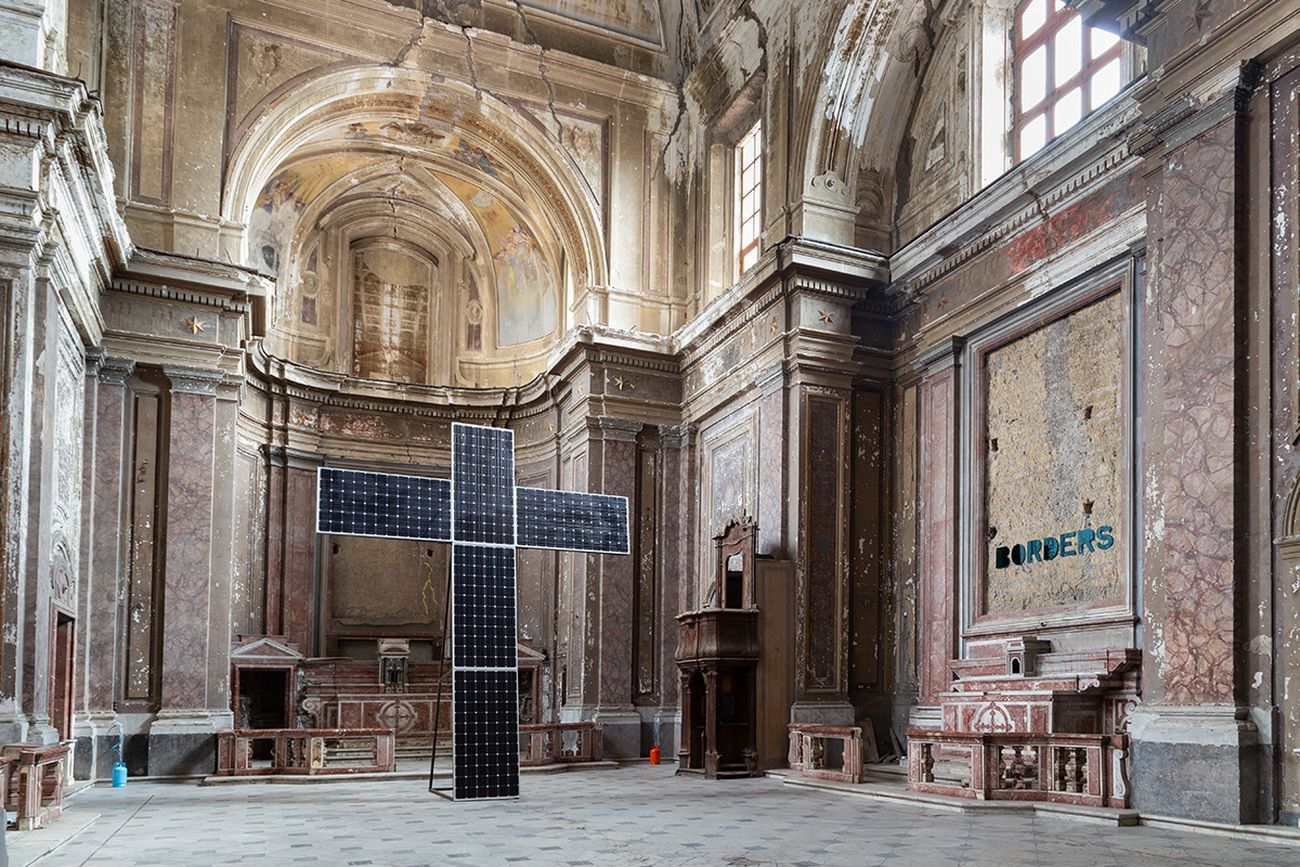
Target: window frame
1045 36
741 248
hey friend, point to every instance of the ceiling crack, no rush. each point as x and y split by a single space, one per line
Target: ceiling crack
541 69
681 91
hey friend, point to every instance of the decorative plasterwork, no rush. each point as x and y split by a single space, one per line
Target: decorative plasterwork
265 650
67 219
1064 171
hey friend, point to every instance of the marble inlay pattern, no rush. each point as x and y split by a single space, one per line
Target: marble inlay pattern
189 554
936 519
1194 280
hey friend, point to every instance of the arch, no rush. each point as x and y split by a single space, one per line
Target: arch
289 121
869 75
1291 513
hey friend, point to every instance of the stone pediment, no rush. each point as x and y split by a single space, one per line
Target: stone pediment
265 649
528 654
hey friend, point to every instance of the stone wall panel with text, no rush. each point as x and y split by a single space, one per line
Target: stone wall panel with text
1054 464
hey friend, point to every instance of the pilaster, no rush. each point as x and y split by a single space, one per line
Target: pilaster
180 738
1195 752
612 582
939 411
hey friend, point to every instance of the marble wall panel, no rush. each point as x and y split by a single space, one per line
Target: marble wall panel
1193 283
936 530
616 590
728 487
248 586
871 609
299 585
140 610
191 447
111 489
645 531
824 565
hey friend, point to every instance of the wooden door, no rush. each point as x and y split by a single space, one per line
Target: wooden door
61 672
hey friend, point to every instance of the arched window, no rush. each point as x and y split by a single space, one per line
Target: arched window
1063 70
749 196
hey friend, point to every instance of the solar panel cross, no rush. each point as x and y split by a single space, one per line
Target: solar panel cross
485 517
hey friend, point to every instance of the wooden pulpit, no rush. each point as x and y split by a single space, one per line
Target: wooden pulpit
717 660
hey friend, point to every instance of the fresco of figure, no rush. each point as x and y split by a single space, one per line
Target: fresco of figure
526 304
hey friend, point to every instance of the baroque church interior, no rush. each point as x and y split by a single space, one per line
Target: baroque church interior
946 353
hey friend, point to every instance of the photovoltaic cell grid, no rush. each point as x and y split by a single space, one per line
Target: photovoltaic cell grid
569 521
486 733
483 607
356 503
476 512
483 484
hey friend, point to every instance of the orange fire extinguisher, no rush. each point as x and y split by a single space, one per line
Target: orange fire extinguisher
654 750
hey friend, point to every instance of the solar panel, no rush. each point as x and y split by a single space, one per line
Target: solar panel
479 511
568 521
486 724
483 484
483 606
357 503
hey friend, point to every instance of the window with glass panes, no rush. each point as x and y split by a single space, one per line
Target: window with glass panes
749 196
1063 71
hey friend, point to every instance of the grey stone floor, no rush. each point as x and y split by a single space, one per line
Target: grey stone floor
631 816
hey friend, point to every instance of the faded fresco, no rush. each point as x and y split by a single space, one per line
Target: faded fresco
391 316
1054 464
527 294
525 290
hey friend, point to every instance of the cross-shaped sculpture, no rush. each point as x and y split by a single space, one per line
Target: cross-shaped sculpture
484 516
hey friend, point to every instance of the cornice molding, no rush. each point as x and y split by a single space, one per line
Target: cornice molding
1077 163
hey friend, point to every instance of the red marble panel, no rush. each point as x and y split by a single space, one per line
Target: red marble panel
617 584
274 549
299 575
1194 284
106 553
825 572
189 550
936 529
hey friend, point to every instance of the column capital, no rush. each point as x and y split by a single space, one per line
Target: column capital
611 428
676 436
115 371
194 380
940 356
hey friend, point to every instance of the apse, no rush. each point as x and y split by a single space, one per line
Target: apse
424 237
